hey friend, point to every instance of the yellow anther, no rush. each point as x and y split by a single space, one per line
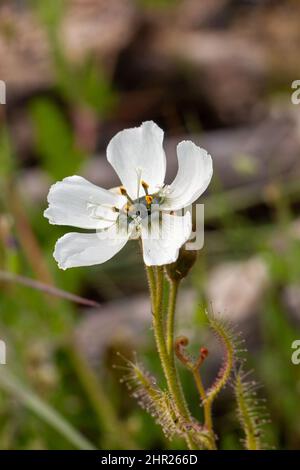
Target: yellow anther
127 207
149 199
145 185
123 191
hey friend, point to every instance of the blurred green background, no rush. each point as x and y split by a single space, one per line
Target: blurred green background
78 71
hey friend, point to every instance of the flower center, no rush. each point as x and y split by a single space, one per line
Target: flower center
142 207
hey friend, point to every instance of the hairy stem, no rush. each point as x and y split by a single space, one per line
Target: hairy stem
170 331
169 371
155 280
152 286
170 323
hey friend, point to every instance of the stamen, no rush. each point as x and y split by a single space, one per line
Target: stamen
149 199
124 193
145 186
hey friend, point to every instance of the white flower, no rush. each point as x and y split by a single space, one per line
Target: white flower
122 213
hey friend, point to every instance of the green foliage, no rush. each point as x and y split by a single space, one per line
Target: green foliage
80 83
85 84
50 13
55 142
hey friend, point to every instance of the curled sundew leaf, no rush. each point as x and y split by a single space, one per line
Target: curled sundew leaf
159 404
151 398
251 410
231 345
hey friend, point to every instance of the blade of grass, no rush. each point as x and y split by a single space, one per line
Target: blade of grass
13 386
116 432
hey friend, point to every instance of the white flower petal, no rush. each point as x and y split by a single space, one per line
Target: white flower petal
194 174
87 249
137 154
161 244
76 202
